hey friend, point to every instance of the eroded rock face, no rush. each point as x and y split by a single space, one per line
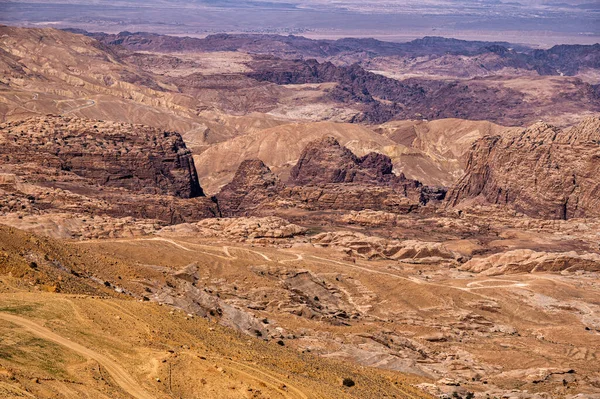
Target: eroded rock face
327 176
253 184
134 157
326 161
541 171
528 261
100 168
351 196
255 188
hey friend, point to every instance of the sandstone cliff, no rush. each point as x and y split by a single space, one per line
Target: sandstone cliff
541 171
327 176
326 161
134 157
95 167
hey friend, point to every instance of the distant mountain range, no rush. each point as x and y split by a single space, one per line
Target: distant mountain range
559 60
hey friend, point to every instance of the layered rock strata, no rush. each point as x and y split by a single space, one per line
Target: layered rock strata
541 171
100 168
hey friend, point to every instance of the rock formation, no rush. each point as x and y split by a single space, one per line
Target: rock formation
253 185
528 261
134 157
100 168
327 176
239 229
326 161
541 171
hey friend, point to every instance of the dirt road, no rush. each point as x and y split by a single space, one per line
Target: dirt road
118 373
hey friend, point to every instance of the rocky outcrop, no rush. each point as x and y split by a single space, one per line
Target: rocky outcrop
327 176
134 157
252 186
541 171
239 229
351 196
528 261
360 245
325 161
100 168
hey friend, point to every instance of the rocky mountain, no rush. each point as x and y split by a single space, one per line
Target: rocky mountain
280 147
328 265
382 98
327 176
291 46
561 59
204 95
252 186
102 167
133 157
541 171
325 161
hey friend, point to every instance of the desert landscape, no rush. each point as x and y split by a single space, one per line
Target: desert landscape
240 215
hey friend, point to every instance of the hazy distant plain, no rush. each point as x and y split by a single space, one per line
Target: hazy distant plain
530 21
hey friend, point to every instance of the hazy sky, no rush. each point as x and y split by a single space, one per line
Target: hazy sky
526 21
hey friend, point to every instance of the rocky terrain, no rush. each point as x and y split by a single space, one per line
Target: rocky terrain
492 56
204 92
326 176
76 165
540 171
227 218
382 98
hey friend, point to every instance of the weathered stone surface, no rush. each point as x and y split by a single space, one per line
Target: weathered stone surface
354 197
100 168
327 176
326 161
138 158
237 228
541 171
252 186
528 261
255 188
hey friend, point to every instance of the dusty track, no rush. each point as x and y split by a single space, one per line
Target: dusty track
89 103
118 374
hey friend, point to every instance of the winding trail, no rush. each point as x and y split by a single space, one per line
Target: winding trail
267 378
477 285
118 373
90 103
410 279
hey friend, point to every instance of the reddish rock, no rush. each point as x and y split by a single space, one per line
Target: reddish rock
134 157
252 186
326 161
327 176
541 171
95 167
